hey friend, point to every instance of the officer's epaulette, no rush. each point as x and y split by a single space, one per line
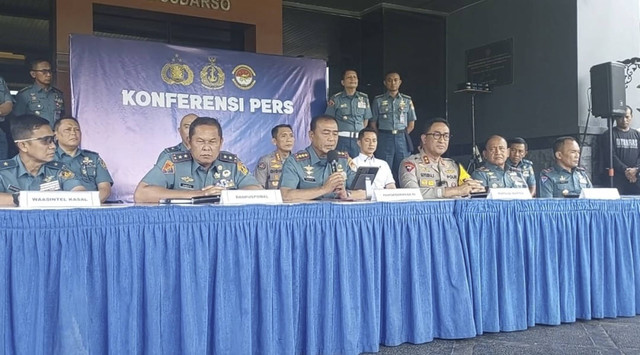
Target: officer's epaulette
379 96
343 155
360 93
513 168
227 157
546 170
336 94
579 168
483 169
180 157
25 89
404 96
55 164
174 149
6 164
301 155
54 89
526 161
89 151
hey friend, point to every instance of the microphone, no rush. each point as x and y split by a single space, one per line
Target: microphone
332 160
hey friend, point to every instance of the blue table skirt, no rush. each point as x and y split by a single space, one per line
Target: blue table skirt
551 261
311 278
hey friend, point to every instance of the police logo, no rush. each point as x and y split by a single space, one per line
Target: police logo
212 76
244 77
176 72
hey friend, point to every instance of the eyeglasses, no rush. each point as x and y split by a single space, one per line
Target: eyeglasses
438 135
44 71
46 140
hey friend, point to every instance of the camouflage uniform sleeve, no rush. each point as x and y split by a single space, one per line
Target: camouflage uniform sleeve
531 180
244 177
261 171
546 186
289 177
67 179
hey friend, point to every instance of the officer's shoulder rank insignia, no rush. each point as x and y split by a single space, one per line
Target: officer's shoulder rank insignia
579 168
242 168
343 155
102 163
300 156
212 76
168 167
227 157
180 157
362 94
243 77
176 72
173 149
6 164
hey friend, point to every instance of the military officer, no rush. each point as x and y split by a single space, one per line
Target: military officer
40 99
6 106
437 177
34 167
269 168
518 150
307 175
394 117
87 166
204 171
565 178
181 147
352 111
495 173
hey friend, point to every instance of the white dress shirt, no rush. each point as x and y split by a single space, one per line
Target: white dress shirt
383 177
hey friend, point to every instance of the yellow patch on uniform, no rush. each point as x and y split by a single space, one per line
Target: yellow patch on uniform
242 168
168 167
66 174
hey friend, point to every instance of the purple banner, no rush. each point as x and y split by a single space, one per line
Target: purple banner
129 97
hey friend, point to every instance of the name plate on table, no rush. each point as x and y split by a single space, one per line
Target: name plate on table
392 195
247 197
605 193
59 199
509 194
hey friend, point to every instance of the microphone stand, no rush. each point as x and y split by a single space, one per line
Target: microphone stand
475 152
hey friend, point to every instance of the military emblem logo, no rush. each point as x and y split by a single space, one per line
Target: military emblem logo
244 77
176 72
212 76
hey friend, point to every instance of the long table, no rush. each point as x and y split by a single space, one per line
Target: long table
318 278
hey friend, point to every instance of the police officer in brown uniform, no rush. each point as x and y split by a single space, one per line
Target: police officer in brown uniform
269 168
437 177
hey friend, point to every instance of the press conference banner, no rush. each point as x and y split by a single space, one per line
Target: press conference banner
129 97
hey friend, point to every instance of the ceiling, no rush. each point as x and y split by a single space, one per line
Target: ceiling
355 7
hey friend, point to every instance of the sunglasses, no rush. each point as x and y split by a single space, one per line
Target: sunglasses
46 140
